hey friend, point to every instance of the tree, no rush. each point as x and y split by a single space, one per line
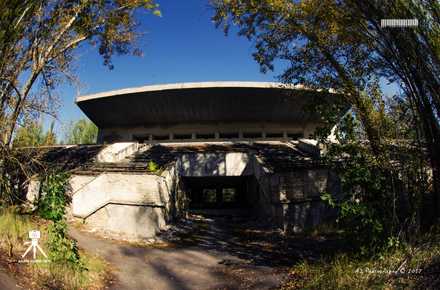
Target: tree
412 58
340 44
81 132
38 44
39 41
32 134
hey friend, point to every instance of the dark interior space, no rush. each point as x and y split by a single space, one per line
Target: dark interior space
217 194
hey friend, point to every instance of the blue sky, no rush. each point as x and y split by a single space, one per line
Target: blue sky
184 46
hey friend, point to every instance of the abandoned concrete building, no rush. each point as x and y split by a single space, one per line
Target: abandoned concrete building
221 148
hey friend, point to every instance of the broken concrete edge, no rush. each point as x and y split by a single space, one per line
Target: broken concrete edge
310 146
117 151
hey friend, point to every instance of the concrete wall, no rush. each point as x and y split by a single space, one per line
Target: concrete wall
262 200
117 151
33 191
119 188
76 182
293 199
222 164
137 220
128 202
195 130
141 203
145 221
299 192
299 185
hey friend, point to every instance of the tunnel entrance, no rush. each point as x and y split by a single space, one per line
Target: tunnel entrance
218 196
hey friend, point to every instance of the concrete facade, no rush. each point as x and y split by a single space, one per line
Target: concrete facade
197 112
206 132
233 147
142 203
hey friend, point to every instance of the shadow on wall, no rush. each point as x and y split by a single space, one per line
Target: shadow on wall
305 208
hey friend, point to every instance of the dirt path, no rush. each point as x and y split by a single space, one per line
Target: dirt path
216 262
7 282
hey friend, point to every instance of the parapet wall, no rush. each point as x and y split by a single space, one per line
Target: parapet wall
119 188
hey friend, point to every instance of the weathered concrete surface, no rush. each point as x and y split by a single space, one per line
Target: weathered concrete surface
117 151
215 263
197 132
222 164
143 221
119 188
197 102
141 203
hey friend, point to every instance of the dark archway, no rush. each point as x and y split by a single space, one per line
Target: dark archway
226 195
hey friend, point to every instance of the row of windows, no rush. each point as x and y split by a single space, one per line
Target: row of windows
223 136
210 195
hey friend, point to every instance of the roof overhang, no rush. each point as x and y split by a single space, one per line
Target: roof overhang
197 102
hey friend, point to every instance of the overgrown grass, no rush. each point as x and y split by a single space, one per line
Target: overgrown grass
14 228
408 267
64 276
14 231
316 230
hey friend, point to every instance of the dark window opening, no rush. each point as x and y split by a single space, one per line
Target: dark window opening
217 192
295 136
141 138
274 135
161 137
209 195
228 135
229 194
252 135
181 136
206 136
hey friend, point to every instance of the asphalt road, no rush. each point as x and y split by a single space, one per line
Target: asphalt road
7 282
214 263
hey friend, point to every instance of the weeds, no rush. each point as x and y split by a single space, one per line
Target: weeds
406 267
14 232
14 228
61 275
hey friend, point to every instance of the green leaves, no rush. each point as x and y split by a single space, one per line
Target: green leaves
61 248
81 132
154 167
381 149
52 206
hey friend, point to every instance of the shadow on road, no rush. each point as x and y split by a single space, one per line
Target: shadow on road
216 261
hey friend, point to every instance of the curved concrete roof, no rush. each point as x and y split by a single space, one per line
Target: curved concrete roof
193 102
